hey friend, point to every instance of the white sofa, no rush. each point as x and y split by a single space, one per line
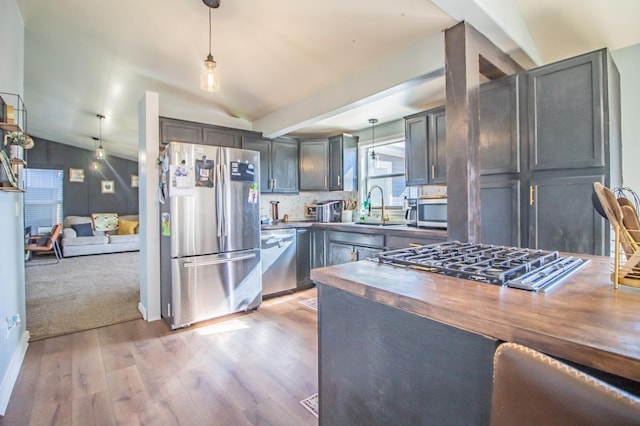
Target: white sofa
100 241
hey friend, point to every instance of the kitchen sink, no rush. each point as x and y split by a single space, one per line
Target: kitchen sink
381 224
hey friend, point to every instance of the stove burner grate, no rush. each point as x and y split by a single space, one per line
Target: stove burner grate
527 269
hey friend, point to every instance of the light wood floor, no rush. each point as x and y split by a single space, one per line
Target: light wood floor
248 369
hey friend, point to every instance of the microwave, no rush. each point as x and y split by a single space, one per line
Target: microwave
432 212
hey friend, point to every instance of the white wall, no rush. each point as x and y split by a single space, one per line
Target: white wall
12 288
628 62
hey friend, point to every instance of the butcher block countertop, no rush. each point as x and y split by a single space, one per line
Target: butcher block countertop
582 319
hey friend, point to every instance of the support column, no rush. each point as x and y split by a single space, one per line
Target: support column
468 54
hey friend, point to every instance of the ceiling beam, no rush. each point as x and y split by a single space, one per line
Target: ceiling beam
501 21
415 64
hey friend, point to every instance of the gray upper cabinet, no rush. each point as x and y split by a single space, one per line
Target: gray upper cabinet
172 130
224 138
278 163
200 133
314 162
343 163
565 114
284 163
499 127
263 146
425 148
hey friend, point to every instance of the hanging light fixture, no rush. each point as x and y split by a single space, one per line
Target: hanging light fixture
209 76
374 160
100 154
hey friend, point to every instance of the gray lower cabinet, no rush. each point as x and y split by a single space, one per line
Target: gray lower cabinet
501 206
314 161
318 248
303 258
402 241
350 246
563 217
278 163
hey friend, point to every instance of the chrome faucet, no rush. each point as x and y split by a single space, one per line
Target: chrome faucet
383 218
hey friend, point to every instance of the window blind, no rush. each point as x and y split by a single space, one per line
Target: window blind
43 198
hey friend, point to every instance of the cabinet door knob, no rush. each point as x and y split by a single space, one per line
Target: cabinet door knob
274 184
433 171
338 180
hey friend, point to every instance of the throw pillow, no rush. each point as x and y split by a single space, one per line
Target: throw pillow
105 221
83 229
126 227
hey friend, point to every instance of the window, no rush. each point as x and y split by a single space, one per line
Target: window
42 199
388 174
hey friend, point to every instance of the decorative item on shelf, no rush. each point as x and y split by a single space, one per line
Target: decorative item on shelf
374 160
17 142
209 76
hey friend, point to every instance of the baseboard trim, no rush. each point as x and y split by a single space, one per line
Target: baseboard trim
10 377
142 310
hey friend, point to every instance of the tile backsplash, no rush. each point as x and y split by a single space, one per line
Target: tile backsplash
293 205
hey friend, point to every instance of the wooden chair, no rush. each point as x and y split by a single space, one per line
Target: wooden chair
51 244
531 388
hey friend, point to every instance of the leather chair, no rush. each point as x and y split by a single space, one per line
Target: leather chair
530 388
50 244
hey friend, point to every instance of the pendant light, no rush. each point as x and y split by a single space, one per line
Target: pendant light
374 160
209 76
100 154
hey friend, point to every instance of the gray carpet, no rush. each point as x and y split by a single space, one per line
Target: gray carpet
81 293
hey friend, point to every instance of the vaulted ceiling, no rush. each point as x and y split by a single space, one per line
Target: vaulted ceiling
305 68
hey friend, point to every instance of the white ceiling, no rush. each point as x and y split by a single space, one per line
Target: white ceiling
307 68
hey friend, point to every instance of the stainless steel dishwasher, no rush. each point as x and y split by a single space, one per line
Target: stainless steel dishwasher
278 252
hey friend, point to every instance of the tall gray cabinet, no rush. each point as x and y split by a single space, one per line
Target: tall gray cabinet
545 136
573 135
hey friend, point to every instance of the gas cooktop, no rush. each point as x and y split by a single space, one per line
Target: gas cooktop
527 269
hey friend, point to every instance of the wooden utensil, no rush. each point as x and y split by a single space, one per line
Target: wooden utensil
609 204
627 202
631 222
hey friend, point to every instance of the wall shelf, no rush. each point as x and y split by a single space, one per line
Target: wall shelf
13 118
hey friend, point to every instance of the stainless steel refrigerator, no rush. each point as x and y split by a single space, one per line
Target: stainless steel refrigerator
210 232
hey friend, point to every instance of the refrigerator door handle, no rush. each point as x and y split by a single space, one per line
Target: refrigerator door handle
227 190
219 200
218 261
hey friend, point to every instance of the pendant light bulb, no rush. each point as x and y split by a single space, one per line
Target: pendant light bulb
209 76
100 153
374 160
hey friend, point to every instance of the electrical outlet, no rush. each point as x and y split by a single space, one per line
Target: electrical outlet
12 322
